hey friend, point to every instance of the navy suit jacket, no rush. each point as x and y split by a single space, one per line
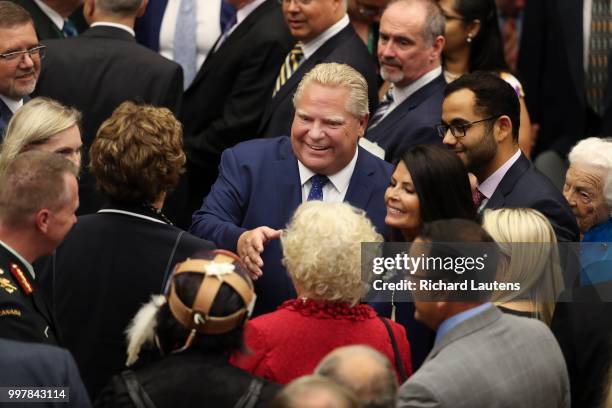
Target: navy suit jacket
147 27
40 365
259 185
412 122
346 48
523 186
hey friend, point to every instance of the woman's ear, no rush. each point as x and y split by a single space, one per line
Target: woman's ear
473 28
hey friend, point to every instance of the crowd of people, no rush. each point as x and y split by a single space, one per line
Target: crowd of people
193 194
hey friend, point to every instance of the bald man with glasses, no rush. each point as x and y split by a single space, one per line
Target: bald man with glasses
20 58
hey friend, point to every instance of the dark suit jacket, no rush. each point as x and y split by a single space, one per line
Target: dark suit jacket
412 122
259 184
96 72
147 27
108 265
223 106
23 316
45 29
551 70
523 186
39 365
583 327
345 47
5 116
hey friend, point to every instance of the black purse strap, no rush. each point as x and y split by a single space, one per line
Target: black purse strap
170 258
250 398
396 354
138 395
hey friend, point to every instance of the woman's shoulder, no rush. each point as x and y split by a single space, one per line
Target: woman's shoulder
513 81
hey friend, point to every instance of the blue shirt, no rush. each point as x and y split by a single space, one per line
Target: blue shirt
455 320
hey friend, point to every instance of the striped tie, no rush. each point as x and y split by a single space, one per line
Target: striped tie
291 64
382 109
600 46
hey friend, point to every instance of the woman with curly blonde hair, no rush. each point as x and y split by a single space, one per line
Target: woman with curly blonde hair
322 253
43 124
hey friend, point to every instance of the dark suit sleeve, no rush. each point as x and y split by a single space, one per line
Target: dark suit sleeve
560 217
174 94
221 214
245 105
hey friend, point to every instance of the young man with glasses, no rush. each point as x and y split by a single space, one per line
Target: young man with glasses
20 56
480 121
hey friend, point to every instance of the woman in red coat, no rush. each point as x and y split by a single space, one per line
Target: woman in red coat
321 250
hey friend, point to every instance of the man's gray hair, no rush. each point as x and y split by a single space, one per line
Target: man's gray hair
339 75
119 7
595 152
377 388
435 23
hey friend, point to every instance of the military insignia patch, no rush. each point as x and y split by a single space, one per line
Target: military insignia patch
21 279
7 285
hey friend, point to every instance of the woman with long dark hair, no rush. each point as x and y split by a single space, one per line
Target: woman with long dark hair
474 43
429 183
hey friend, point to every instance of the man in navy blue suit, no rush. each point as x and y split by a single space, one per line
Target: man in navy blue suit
261 182
409 46
20 57
480 121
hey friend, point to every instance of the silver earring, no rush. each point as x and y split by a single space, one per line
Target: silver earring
469 38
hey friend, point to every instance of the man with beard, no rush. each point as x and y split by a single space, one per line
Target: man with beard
480 121
20 55
409 46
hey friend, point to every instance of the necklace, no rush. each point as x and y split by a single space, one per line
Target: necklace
157 212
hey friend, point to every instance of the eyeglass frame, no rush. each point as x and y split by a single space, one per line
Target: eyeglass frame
39 50
299 2
443 128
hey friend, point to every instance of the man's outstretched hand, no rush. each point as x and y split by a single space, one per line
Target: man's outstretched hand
250 246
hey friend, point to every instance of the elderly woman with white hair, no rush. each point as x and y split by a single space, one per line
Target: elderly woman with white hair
322 253
588 189
43 124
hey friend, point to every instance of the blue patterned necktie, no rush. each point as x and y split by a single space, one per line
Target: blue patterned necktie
69 29
316 187
228 13
185 40
382 109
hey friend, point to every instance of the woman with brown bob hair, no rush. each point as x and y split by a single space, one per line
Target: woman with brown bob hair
112 261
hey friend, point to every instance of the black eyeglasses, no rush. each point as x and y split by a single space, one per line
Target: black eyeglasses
38 51
459 130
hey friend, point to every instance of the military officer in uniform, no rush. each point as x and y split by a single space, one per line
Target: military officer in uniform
38 199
